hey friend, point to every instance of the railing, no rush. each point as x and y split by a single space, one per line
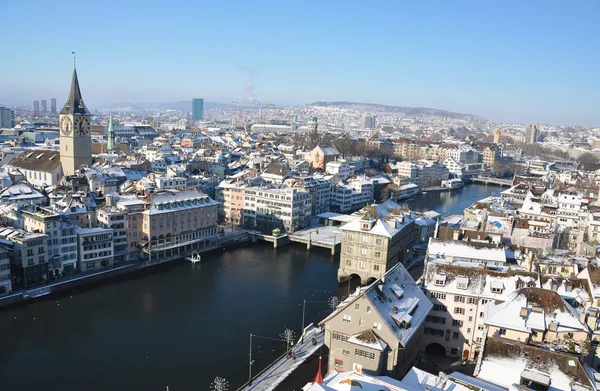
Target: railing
263 371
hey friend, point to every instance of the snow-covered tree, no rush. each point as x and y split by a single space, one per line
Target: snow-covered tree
219 384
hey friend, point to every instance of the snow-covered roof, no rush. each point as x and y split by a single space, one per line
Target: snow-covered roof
400 302
444 249
389 219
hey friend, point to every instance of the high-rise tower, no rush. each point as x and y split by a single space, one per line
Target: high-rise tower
44 107
36 108
75 138
197 109
110 145
53 105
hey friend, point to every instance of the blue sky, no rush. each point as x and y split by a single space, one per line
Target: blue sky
515 61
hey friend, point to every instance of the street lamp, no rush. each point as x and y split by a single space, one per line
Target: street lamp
303 312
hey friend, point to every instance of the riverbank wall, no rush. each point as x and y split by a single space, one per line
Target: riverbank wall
24 296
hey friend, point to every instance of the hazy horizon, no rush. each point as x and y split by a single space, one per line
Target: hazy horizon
519 62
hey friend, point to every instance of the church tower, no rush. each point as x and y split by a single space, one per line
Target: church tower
75 137
110 145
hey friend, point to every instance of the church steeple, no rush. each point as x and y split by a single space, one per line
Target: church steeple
110 145
74 104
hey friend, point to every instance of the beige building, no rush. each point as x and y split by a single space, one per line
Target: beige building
379 238
75 137
536 316
378 329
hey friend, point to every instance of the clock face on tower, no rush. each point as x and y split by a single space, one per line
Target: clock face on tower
66 126
82 126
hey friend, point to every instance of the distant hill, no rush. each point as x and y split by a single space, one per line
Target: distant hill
181 105
408 111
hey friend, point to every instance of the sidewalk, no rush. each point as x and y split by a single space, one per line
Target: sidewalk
270 378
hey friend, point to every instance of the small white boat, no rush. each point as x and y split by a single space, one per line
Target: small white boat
195 258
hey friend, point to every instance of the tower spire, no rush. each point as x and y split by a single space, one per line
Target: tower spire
74 103
110 145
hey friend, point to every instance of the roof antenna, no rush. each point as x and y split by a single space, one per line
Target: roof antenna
73 53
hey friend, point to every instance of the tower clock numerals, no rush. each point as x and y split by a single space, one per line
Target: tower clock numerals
82 126
66 126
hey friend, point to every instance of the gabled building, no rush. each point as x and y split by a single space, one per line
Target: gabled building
379 327
320 156
41 168
380 237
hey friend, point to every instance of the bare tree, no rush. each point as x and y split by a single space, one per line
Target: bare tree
333 302
288 336
219 384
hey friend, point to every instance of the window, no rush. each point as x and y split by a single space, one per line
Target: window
440 282
481 314
459 310
375 268
377 325
440 308
378 242
339 363
345 352
361 322
348 262
365 239
471 300
362 265
502 331
363 251
480 327
484 301
459 299
368 309
455 335
339 336
377 254
357 306
349 249
441 296
347 318
478 339
470 318
468 331
364 353
458 323
436 319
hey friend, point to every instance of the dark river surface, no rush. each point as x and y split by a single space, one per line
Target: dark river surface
179 325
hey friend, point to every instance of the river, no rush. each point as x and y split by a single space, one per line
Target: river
179 325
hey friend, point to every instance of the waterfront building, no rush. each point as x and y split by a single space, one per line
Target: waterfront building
378 327
319 188
96 248
490 155
380 237
197 109
5 275
269 207
320 156
78 206
40 168
28 256
177 221
115 219
62 238
133 208
7 118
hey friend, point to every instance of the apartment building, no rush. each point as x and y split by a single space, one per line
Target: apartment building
115 219
378 329
5 275
269 207
177 220
29 256
62 238
352 196
342 169
96 248
380 237
133 209
319 188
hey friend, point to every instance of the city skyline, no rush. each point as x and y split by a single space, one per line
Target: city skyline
509 62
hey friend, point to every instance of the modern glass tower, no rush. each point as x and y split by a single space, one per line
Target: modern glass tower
197 109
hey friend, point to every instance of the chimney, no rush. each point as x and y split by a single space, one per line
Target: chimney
524 312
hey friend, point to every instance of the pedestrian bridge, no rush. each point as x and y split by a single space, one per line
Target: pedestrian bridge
494 181
280 369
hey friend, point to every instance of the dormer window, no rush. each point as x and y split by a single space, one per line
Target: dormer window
569 286
462 282
496 287
440 279
366 226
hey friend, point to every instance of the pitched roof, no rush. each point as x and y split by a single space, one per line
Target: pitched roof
36 160
74 103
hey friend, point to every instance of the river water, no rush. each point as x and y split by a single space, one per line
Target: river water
179 325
